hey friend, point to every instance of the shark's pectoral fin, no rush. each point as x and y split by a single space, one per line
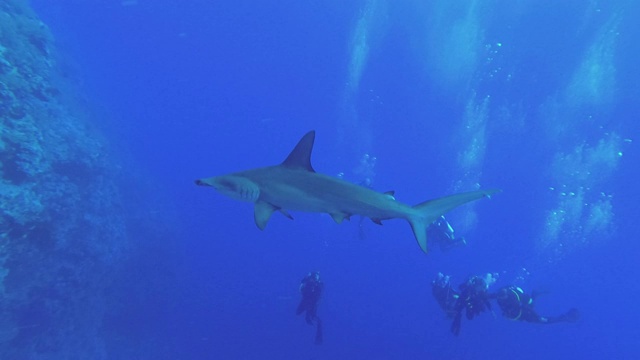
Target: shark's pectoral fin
262 213
377 221
339 217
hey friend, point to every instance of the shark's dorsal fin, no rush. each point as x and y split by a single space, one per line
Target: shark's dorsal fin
300 156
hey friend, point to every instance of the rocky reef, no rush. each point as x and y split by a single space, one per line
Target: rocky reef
62 231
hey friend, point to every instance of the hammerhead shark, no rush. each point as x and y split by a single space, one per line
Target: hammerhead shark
294 185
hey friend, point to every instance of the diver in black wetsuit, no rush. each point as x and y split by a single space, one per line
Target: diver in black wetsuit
441 233
472 298
311 290
445 294
516 305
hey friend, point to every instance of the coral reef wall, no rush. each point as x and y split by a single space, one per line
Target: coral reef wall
62 232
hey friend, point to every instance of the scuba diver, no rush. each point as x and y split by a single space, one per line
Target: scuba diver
472 298
311 290
445 294
516 305
441 232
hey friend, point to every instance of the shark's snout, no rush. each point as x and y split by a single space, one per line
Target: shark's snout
199 182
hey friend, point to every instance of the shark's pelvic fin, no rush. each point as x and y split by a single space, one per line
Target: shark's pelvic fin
430 210
300 156
286 213
339 217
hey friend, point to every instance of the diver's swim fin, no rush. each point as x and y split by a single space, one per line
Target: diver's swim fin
318 331
455 325
572 315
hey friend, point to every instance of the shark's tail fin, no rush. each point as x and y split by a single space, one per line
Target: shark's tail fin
429 211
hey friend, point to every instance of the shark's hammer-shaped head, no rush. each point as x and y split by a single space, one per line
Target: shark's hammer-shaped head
236 187
240 187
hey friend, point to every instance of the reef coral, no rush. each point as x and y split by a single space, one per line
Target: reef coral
61 228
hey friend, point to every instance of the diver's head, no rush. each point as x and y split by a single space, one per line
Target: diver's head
315 275
490 278
477 283
442 280
503 294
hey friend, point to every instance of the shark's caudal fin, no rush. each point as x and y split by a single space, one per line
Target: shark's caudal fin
430 210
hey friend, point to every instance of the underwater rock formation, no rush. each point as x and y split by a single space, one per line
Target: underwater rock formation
61 227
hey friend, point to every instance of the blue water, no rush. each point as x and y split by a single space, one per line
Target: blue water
424 98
